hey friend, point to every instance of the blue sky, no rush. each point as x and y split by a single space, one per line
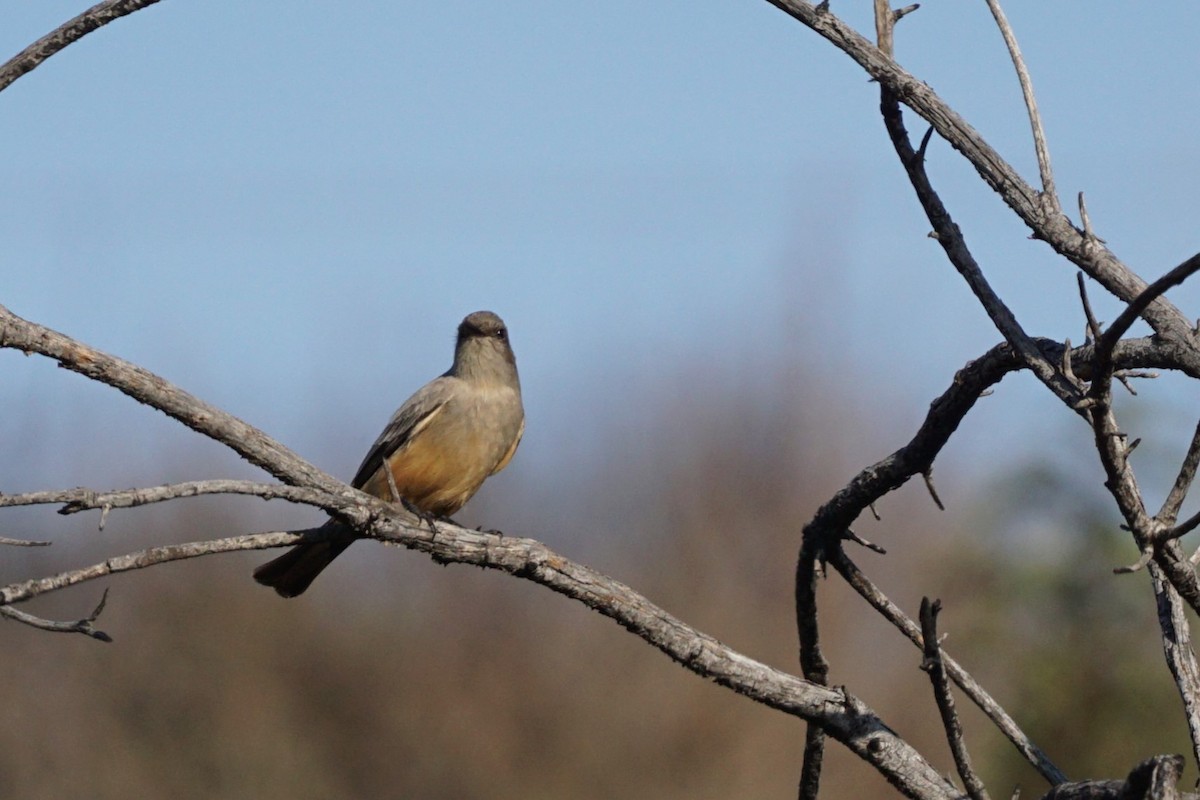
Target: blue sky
287 208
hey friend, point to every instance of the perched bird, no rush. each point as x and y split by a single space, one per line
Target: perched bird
439 446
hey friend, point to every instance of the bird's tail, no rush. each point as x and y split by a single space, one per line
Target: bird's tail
293 572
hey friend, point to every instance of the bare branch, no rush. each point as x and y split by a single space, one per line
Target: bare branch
4 540
950 237
1119 476
928 476
25 590
1177 648
936 669
71 31
1168 556
83 626
999 717
885 21
828 525
874 548
83 499
1147 553
1153 779
1184 528
840 715
1058 231
1049 194
1093 327
1137 307
1183 481
146 387
815 668
1089 235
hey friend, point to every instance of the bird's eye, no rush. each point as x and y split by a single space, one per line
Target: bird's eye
502 334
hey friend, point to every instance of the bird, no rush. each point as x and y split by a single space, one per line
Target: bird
439 446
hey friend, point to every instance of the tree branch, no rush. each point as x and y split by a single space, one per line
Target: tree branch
84 499
1049 194
1153 779
950 237
146 387
4 540
999 717
840 715
814 666
936 669
1088 253
83 626
71 31
1183 481
1177 648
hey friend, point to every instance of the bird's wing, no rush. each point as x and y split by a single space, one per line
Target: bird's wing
512 449
408 421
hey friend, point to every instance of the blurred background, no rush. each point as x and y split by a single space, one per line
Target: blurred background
723 304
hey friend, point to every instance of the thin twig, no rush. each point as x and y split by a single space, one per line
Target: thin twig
4 540
1137 307
947 411
95 17
1185 527
25 590
1183 481
928 476
146 387
1147 553
1089 235
999 717
1049 194
1093 327
1055 229
936 669
83 626
84 499
874 548
951 238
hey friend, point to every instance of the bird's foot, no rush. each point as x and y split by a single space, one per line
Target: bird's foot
422 515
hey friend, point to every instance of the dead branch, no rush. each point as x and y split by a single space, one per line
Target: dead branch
951 238
1169 512
1177 648
83 626
936 669
814 667
984 701
1089 254
84 499
148 388
71 31
1049 194
4 540
1153 779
